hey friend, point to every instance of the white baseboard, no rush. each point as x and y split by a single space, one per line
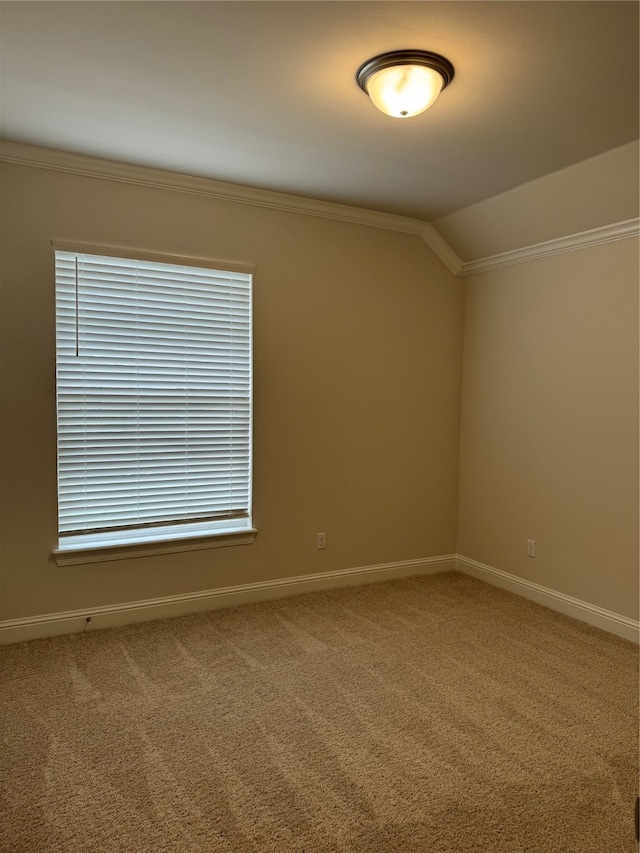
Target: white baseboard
75 621
590 613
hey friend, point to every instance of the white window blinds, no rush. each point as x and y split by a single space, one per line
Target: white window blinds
153 394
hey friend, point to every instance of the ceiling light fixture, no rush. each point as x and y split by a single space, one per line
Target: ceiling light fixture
404 83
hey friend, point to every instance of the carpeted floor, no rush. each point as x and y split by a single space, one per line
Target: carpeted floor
434 714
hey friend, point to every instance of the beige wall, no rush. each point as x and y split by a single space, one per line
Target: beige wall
358 336
549 423
358 345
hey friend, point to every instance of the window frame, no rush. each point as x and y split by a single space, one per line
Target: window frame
98 547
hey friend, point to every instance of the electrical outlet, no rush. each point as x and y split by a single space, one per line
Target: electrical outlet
321 540
531 547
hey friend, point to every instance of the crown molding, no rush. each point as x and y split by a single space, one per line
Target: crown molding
581 240
443 250
111 170
94 167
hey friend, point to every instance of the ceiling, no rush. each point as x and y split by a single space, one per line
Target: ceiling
263 93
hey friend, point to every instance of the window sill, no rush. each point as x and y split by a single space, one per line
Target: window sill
74 553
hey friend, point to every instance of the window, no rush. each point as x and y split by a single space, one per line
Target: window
153 375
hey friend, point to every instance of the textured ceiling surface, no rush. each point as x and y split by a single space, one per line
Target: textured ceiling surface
263 93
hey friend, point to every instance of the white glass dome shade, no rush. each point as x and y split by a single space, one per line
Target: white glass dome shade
404 83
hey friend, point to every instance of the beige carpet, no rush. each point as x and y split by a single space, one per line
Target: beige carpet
433 714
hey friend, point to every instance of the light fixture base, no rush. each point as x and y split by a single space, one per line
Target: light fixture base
405 57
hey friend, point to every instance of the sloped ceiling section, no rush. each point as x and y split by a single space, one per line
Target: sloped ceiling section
598 192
